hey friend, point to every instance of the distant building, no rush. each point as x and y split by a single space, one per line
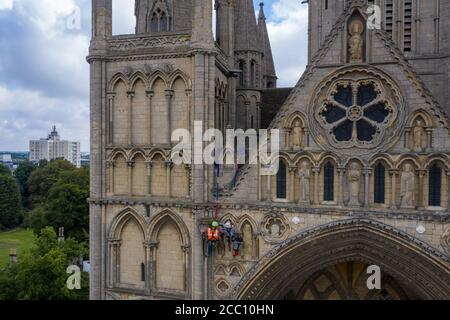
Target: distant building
6 158
53 147
85 159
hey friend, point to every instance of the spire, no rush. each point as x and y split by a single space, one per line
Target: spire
268 64
246 29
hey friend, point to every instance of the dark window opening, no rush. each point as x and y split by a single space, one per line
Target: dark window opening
435 186
281 181
142 271
380 182
328 183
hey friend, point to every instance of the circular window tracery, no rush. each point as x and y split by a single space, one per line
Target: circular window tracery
356 112
358 108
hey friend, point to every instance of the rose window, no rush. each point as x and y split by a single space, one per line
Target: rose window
356 112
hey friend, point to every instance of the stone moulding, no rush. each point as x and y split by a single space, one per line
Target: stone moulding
251 284
143 42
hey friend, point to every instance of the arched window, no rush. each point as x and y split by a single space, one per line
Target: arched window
159 21
163 22
281 181
435 186
155 23
241 73
252 74
328 182
379 183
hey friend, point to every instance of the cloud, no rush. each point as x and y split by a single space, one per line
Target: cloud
288 32
44 77
27 115
6 4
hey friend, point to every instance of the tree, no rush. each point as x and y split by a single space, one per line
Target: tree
44 177
22 174
40 274
10 202
66 205
4 170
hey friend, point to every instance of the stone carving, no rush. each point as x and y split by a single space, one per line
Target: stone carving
297 135
418 135
356 41
354 179
407 187
148 42
305 175
274 227
445 241
247 231
167 68
147 70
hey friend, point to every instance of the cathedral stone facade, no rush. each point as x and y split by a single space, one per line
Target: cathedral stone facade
364 175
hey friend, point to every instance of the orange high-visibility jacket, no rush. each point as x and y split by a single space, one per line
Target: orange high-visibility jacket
213 234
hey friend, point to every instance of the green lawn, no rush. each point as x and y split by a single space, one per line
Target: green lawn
20 239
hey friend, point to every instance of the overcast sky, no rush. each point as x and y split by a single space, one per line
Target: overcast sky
44 77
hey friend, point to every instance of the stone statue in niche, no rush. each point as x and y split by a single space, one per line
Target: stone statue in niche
407 187
297 135
418 135
305 175
248 241
354 179
356 41
275 229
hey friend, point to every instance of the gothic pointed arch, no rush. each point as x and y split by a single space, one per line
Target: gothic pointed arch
168 215
122 218
413 263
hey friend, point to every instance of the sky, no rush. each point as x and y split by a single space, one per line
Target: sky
44 77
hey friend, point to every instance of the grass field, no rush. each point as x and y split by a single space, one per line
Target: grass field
20 239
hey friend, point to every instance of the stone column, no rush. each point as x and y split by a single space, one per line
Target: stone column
110 166
188 169
169 95
291 193
130 96
189 111
101 30
366 172
306 138
448 190
407 138
429 138
169 165
316 171
269 188
149 119
197 270
151 265
149 165
287 138
130 177
110 117
113 263
394 173
186 248
420 200
340 192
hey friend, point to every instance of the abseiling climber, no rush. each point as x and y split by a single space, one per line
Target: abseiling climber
223 232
